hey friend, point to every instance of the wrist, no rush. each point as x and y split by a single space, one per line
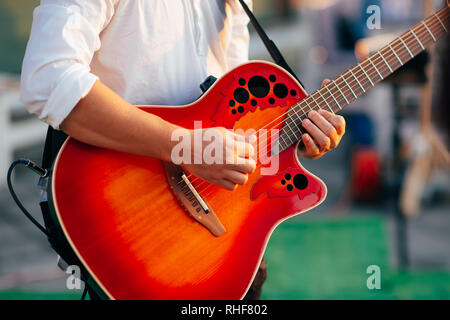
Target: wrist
175 135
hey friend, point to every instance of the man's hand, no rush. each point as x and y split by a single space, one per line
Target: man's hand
237 159
325 131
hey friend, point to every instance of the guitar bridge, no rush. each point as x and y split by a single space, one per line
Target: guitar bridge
191 200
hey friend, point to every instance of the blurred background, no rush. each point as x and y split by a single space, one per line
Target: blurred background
388 201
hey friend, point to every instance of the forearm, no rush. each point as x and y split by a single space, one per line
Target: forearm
104 119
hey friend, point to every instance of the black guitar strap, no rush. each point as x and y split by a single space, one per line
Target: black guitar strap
270 45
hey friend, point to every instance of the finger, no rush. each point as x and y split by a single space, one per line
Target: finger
226 184
322 141
244 166
236 177
251 139
310 146
325 82
326 127
245 137
337 121
244 149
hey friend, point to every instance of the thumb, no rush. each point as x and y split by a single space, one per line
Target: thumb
325 82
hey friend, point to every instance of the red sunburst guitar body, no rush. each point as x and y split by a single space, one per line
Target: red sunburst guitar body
122 216
127 227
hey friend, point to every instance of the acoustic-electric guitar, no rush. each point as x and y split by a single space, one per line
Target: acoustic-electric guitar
145 229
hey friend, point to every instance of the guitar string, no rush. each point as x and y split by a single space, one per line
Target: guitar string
391 58
393 55
364 83
329 97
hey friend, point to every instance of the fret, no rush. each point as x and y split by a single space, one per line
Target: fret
440 22
289 137
414 34
331 94
325 101
298 117
364 90
429 31
294 108
396 55
293 131
349 86
382 57
318 105
367 76
302 109
376 69
407 48
283 143
341 92
307 103
287 134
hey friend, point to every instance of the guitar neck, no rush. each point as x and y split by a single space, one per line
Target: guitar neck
345 89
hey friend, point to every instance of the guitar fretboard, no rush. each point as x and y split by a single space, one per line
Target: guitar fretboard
345 89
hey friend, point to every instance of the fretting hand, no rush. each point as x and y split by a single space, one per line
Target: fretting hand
325 131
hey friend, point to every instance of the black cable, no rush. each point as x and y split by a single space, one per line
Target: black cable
42 172
83 297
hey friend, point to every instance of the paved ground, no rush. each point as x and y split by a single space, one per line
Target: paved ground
28 263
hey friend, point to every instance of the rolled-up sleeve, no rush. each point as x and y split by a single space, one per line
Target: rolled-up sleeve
237 52
55 71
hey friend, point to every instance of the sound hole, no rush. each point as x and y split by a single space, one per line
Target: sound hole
280 90
259 86
241 95
300 181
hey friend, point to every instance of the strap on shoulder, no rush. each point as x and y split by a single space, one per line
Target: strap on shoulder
270 45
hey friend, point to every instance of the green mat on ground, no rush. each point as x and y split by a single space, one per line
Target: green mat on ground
316 258
328 259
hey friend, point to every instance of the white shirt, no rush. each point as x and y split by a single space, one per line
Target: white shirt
148 51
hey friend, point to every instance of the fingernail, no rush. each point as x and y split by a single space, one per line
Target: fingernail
312 113
306 121
252 138
321 111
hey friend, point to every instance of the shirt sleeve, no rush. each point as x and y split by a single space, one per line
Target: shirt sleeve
55 71
237 52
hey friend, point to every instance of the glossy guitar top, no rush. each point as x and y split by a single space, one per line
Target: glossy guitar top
122 219
126 225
